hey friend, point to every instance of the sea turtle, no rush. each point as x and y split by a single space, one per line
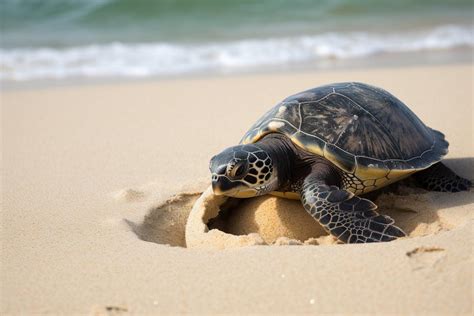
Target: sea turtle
330 144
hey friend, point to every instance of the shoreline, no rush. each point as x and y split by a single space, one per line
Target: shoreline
457 56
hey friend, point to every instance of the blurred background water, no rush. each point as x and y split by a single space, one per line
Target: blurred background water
54 39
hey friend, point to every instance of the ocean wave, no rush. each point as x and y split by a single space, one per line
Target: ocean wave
162 59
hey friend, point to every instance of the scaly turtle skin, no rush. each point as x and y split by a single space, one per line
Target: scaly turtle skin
327 145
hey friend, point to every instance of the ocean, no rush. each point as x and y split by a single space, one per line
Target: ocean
81 39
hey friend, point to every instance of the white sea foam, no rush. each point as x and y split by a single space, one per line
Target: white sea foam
159 59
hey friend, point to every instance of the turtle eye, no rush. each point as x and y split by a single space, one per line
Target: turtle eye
237 170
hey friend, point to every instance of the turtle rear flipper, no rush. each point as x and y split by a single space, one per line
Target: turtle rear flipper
347 217
440 178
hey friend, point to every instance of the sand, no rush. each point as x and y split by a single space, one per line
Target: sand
98 182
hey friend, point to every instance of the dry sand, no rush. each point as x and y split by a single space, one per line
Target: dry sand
88 213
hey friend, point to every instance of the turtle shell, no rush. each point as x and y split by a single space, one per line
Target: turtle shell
362 129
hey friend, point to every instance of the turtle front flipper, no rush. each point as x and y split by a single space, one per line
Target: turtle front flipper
440 178
345 216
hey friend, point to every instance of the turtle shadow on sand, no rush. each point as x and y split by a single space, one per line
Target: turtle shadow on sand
414 210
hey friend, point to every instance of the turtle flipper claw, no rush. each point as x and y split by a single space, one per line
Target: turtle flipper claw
349 218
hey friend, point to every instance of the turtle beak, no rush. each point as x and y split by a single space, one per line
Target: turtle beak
221 185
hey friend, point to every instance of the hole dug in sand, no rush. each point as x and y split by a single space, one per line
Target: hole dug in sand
217 222
207 221
165 223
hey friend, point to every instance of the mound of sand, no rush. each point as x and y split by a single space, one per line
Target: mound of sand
206 221
272 220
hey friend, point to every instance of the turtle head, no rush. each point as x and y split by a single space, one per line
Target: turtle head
243 171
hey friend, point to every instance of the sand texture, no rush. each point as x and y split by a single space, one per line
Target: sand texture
104 186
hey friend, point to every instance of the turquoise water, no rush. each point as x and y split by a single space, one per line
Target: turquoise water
130 38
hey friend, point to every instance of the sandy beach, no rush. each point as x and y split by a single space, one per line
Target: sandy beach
98 181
